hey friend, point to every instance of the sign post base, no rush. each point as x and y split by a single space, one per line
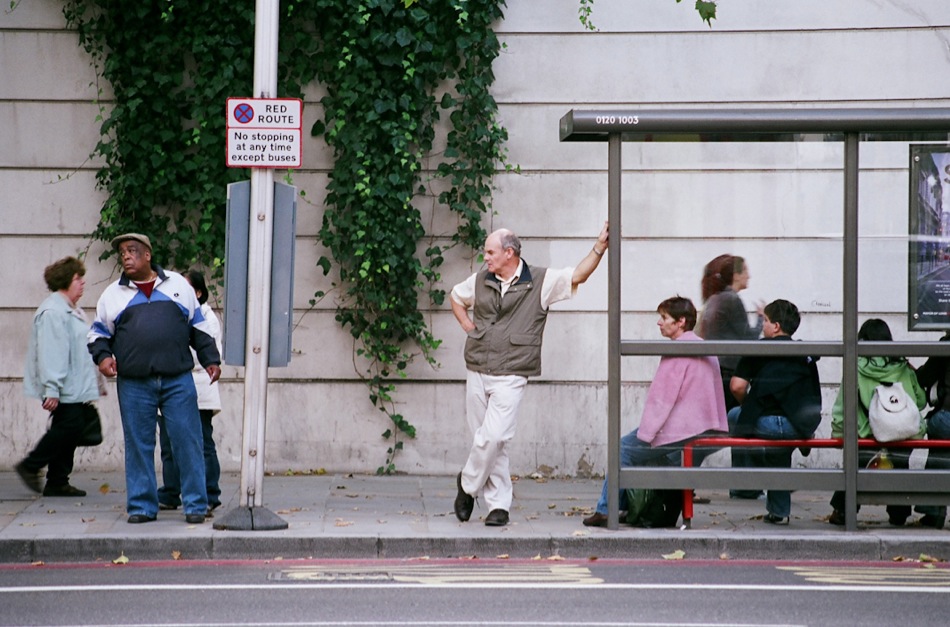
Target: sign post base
251 519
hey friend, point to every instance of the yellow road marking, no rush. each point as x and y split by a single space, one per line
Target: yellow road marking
873 575
441 574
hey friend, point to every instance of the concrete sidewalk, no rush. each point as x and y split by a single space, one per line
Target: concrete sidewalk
368 517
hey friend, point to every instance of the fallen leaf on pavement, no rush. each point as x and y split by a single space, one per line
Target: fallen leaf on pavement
580 534
675 555
503 556
421 557
38 564
87 520
927 558
552 505
122 559
724 556
555 558
104 488
343 523
176 555
536 557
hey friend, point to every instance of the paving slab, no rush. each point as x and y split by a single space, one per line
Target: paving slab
410 516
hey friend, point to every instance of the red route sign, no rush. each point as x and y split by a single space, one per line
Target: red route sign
265 133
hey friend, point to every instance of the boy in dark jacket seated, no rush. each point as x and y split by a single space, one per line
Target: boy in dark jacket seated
780 398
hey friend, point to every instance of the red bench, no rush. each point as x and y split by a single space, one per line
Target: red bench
727 441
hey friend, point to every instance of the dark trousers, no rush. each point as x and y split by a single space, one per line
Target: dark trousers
170 492
58 446
901 460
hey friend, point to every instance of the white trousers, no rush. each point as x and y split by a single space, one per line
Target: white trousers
491 408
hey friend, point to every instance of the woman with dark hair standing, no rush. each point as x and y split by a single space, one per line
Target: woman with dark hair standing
873 371
724 318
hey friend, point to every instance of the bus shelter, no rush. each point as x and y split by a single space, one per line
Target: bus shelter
850 126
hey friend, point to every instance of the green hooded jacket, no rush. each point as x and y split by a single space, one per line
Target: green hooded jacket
872 371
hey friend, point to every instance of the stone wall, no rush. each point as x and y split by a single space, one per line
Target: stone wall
778 205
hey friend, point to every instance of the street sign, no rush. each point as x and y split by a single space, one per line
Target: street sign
265 133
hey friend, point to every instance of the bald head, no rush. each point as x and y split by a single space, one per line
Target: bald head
505 239
502 253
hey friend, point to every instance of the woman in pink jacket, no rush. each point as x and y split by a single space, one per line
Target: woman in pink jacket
685 400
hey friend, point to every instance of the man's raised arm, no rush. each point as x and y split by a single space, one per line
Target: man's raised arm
588 264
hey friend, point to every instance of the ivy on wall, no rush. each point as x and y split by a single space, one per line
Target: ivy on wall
391 69
171 67
173 64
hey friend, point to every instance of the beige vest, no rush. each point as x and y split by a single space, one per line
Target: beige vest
508 330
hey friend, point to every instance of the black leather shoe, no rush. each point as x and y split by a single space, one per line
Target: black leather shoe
167 506
929 520
194 519
772 519
496 518
30 478
836 517
62 490
136 519
745 494
464 503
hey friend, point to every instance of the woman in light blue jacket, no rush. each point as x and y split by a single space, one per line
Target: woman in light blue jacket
60 372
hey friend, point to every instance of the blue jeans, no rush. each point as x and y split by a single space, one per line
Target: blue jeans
636 452
170 492
777 502
140 400
938 428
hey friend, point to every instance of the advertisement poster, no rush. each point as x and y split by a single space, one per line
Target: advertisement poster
929 242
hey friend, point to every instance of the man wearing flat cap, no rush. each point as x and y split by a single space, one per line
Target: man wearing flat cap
145 323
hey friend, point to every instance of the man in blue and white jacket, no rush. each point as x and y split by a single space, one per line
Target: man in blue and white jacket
145 323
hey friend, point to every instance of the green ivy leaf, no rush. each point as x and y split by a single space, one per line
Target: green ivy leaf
707 11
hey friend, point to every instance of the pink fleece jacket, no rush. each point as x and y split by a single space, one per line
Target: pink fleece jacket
684 400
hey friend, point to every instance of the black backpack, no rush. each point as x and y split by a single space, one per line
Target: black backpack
653 509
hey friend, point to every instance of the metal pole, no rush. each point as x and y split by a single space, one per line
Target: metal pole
259 269
849 330
614 171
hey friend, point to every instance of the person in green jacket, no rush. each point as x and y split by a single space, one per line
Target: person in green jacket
872 371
